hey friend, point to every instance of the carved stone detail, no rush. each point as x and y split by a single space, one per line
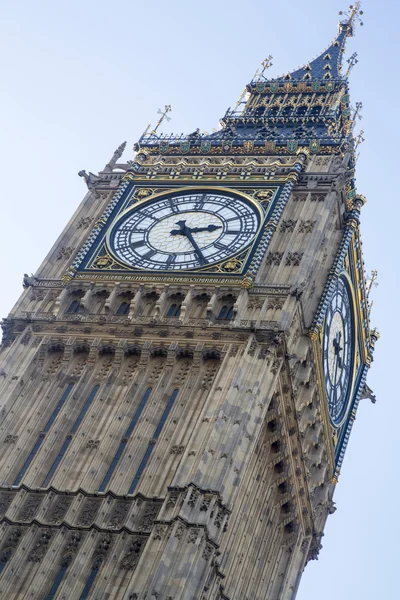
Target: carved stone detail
41 546
150 513
65 252
288 226
10 544
30 507
293 259
306 226
131 559
58 509
119 513
84 222
88 512
274 258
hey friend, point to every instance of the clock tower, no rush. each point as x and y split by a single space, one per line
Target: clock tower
180 377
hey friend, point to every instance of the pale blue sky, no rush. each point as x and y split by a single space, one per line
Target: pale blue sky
78 78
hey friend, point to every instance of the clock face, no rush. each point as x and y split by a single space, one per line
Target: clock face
187 230
338 352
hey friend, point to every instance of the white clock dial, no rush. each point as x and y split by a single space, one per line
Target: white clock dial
338 351
187 230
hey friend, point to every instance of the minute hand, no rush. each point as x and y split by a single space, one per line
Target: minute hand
188 234
208 228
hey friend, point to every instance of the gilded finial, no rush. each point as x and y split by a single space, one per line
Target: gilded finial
266 64
352 61
359 139
352 16
372 281
164 115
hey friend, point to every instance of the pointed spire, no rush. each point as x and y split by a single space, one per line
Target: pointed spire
327 66
117 154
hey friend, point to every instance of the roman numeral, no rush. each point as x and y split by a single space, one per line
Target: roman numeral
200 202
171 259
221 246
149 254
232 232
138 244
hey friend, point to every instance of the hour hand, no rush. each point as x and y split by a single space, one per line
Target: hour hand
183 230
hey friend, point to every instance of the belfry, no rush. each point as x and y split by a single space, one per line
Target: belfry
180 377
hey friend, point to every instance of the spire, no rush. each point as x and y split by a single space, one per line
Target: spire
309 107
328 65
117 154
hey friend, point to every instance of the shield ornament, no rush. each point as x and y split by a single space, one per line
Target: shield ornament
329 86
227 146
314 146
345 98
315 86
292 145
248 146
260 87
274 87
346 112
184 147
163 146
351 194
205 147
270 146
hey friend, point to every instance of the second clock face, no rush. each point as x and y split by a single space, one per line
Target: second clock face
190 230
338 354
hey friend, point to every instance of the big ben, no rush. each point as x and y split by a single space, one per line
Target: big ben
180 377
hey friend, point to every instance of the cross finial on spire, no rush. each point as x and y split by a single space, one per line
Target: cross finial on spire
164 115
353 60
352 16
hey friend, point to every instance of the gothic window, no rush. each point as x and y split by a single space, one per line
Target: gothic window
74 307
99 301
199 306
149 303
315 110
226 312
68 439
124 441
174 310
123 308
40 439
153 441
287 110
301 111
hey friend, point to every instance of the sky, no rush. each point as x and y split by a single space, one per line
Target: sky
80 77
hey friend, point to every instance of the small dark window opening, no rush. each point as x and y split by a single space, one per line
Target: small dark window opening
226 312
174 310
123 308
74 307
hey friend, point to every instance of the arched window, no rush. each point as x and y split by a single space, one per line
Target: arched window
315 110
174 310
226 312
287 110
74 307
301 111
123 308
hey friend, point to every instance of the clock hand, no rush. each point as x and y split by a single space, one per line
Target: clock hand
195 246
208 228
186 231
